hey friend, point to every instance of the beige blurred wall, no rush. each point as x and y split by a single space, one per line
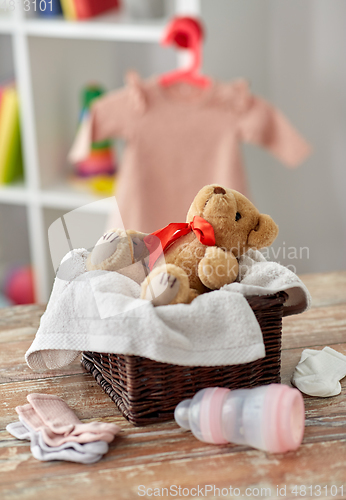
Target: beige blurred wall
293 53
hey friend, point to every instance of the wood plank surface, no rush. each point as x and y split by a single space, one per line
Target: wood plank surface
326 289
243 470
162 455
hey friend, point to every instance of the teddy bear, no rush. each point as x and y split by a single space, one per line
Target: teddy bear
183 260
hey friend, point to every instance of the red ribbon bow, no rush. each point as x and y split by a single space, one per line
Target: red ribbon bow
166 236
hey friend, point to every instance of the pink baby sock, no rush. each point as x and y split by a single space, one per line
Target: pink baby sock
59 417
59 424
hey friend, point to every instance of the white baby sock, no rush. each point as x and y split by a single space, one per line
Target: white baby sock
70 451
318 372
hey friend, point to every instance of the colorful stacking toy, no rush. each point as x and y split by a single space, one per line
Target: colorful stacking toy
97 171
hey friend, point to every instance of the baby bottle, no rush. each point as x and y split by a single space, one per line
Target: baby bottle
269 417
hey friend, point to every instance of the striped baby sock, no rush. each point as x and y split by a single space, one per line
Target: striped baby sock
73 452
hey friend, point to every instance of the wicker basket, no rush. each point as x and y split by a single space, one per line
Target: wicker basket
147 391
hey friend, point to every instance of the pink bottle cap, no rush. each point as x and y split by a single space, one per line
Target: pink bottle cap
283 419
211 415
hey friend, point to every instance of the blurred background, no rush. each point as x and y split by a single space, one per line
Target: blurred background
291 52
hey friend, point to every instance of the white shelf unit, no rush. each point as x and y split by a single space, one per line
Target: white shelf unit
52 59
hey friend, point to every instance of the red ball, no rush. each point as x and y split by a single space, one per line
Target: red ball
20 286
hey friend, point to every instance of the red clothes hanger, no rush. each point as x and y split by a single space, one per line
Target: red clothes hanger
186 33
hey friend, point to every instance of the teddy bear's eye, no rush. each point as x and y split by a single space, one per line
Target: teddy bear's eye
237 216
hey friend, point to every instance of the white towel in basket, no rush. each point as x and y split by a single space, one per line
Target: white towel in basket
101 311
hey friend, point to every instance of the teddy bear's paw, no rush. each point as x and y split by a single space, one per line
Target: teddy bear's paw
162 289
217 268
166 284
140 250
112 252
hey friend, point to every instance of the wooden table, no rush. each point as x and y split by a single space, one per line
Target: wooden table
161 456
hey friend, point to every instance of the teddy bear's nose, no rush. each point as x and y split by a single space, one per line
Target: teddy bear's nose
219 190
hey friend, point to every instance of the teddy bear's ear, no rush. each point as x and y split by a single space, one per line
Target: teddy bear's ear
264 233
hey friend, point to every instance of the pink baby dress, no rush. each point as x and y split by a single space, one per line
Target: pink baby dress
180 138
